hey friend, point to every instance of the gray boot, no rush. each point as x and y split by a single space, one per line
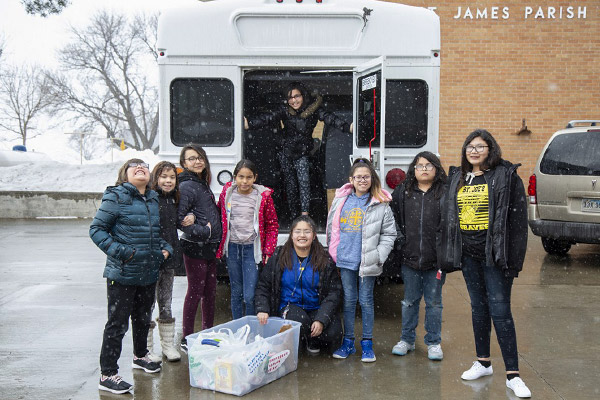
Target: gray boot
150 344
166 330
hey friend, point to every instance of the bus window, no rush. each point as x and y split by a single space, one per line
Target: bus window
202 112
406 113
369 113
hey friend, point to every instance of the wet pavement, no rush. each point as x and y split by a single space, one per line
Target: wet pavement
53 310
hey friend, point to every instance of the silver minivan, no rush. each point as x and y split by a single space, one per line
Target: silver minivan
564 190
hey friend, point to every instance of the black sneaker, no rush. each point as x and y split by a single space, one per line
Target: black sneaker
313 348
114 384
146 364
183 345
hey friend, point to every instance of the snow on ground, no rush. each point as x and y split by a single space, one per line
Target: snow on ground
64 172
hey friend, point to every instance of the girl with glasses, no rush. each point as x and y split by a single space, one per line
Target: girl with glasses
416 204
127 228
300 283
360 235
200 241
299 118
485 235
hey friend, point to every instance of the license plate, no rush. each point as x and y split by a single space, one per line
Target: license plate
590 205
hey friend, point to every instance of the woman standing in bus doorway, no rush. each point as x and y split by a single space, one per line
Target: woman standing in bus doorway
250 229
127 228
200 241
485 235
416 204
360 234
299 119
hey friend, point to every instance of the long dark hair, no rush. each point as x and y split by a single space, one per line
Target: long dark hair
439 179
122 175
157 171
494 153
318 254
306 96
375 189
205 174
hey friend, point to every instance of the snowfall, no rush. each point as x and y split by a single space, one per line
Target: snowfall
53 163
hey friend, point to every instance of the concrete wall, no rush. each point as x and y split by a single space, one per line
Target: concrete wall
49 204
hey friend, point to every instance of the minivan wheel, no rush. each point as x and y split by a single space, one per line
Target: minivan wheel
555 247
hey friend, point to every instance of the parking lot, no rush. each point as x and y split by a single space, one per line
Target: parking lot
53 309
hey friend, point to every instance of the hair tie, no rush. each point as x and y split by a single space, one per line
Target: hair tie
360 160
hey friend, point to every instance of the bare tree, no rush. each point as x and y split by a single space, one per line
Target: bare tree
44 8
106 83
24 95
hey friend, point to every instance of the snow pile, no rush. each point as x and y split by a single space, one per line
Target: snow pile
93 176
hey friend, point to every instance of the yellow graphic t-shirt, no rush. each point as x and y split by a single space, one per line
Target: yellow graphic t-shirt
473 207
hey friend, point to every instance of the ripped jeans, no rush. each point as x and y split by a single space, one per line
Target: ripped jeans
419 284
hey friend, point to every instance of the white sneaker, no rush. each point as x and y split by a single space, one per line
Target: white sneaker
476 371
434 352
518 386
402 347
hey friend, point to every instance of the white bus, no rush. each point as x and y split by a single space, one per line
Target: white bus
376 64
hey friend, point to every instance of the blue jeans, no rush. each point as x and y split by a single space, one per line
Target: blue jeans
360 289
419 284
243 276
490 293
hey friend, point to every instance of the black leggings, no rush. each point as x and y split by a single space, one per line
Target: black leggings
125 301
297 181
332 333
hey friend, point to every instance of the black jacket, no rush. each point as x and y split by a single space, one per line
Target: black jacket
421 211
298 126
267 295
506 241
195 196
167 209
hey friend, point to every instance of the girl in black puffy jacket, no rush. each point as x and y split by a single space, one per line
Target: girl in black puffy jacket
200 241
165 183
299 119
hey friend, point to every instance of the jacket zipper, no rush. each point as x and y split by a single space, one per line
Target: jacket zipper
421 230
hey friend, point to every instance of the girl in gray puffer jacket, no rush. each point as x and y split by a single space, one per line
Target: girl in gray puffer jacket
360 234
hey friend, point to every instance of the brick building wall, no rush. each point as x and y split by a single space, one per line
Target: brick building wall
497 72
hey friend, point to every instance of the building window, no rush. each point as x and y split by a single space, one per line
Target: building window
202 112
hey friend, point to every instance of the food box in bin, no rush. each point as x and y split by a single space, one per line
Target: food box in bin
242 355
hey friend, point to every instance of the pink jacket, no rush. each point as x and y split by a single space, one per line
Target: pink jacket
265 221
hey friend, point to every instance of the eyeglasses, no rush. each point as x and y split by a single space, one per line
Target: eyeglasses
194 159
135 165
294 97
426 167
304 232
478 148
359 178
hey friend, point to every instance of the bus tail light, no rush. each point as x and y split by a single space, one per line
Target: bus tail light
395 177
532 190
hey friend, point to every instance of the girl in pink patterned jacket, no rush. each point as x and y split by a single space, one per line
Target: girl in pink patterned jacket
250 231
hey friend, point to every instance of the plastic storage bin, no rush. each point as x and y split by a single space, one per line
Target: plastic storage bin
239 369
